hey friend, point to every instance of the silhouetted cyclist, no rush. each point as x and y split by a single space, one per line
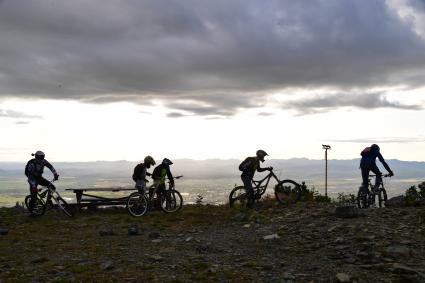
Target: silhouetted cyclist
34 171
248 168
159 174
139 174
368 163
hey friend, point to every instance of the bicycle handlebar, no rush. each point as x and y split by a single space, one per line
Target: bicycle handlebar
383 175
177 177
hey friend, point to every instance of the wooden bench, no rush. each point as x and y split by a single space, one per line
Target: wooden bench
85 199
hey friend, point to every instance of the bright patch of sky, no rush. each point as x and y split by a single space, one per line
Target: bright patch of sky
72 131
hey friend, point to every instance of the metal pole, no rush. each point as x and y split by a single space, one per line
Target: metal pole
326 147
326 172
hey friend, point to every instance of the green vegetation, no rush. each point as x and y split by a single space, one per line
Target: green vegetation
415 195
345 199
312 195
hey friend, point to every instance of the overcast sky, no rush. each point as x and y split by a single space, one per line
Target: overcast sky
107 80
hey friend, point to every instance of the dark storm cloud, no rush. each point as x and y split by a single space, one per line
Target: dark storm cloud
108 51
419 4
175 115
5 113
221 105
384 140
265 114
325 103
22 123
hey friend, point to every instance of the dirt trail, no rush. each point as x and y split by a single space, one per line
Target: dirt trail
302 243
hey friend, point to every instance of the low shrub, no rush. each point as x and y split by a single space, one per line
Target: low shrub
415 195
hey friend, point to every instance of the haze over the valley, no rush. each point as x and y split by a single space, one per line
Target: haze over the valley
213 179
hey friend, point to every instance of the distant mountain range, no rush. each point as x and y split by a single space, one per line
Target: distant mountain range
296 168
219 168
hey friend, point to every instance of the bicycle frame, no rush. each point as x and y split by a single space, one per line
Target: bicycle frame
367 197
44 195
45 192
381 184
262 188
155 184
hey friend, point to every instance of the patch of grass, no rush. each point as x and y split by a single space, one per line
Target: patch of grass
81 268
345 199
199 265
250 264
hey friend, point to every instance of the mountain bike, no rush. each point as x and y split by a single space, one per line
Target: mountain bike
44 202
367 198
170 200
286 191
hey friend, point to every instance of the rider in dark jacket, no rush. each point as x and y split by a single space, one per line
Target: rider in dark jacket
34 171
248 168
139 174
368 163
158 175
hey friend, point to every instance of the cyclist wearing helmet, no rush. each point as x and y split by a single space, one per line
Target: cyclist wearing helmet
34 171
139 174
368 163
248 168
158 175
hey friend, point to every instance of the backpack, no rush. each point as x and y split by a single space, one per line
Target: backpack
29 167
137 171
246 164
366 151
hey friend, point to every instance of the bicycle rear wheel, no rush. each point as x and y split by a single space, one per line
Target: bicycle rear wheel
137 204
171 201
238 197
382 197
362 199
39 206
63 205
287 191
27 201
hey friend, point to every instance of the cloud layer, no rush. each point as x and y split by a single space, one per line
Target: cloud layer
398 140
330 102
6 113
208 58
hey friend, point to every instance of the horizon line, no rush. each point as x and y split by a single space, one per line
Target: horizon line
210 159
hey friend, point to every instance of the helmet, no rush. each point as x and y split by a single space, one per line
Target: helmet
39 155
261 154
375 147
149 160
167 161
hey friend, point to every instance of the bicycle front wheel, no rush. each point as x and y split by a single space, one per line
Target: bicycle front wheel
137 204
287 192
171 201
39 207
362 199
238 197
27 201
382 197
63 205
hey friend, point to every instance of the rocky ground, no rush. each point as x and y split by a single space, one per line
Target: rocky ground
306 242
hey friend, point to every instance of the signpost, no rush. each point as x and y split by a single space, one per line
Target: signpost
326 147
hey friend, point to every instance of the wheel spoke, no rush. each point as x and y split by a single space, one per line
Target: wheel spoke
238 197
137 204
171 201
287 192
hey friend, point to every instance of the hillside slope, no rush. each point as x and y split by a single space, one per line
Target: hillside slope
215 243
